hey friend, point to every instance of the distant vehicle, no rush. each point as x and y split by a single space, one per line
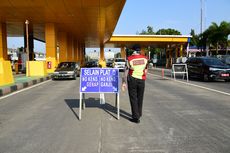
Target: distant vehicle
92 63
109 63
208 68
119 63
67 70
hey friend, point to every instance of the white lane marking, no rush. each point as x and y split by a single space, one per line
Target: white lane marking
202 87
27 88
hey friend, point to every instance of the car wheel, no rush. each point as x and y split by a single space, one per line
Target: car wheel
227 80
189 76
75 76
205 78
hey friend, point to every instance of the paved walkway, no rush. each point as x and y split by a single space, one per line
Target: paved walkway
21 81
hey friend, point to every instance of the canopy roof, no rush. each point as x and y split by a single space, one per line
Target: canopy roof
90 21
148 40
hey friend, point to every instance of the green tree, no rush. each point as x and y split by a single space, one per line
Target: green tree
149 31
194 39
21 49
216 36
168 31
129 52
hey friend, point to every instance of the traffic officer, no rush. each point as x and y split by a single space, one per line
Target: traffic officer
136 75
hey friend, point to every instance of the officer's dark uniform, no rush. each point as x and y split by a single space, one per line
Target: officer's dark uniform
137 69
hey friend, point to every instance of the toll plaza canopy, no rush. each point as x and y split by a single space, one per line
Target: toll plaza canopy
90 21
149 40
67 27
174 45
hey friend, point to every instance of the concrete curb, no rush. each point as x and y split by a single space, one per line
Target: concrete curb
18 86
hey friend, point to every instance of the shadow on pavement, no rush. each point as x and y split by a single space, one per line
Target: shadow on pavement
73 103
95 103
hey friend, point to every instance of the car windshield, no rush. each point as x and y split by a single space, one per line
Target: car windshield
109 60
119 60
213 61
92 62
66 65
227 60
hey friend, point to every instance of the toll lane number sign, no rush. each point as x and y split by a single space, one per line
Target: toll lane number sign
99 80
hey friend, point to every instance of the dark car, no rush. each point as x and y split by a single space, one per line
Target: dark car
67 70
91 64
208 68
225 59
109 63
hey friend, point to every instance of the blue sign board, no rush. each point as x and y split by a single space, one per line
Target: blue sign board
99 80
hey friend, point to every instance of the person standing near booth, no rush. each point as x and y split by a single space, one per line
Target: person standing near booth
135 73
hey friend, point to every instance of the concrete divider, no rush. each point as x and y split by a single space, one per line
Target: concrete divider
6 76
36 68
17 86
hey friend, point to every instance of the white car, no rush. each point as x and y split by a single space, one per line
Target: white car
119 63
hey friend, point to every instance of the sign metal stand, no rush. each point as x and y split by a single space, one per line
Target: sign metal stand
102 98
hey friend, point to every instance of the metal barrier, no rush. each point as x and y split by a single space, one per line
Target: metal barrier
179 69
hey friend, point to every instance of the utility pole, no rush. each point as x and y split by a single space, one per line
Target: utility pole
27 48
202 16
201 23
27 40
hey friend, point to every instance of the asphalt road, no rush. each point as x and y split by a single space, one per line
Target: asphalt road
177 118
220 85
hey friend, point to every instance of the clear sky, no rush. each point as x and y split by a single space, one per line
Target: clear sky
182 15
